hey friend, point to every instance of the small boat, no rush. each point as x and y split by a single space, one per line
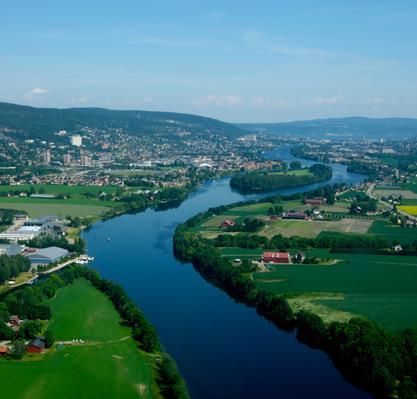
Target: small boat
108 238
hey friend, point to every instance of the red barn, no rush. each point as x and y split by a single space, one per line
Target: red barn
36 346
276 257
227 223
315 201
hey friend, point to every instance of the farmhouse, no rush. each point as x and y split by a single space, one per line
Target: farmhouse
227 223
276 257
45 256
3 350
315 201
36 346
295 215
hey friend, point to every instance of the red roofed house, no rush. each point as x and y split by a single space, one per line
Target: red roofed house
228 223
3 350
315 201
36 346
276 257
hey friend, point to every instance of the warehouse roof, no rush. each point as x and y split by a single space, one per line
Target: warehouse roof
50 252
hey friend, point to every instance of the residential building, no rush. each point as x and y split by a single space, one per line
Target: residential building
76 140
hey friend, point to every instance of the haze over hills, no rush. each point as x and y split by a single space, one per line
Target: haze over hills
340 127
23 122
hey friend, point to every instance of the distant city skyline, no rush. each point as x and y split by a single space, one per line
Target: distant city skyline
237 61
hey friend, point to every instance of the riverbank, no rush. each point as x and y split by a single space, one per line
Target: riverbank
116 334
198 324
344 341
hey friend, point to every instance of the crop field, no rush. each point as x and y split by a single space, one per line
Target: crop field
373 285
243 253
312 229
407 194
72 206
107 365
410 209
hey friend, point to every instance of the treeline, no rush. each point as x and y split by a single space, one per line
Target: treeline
12 266
258 182
29 303
249 225
381 362
363 168
7 215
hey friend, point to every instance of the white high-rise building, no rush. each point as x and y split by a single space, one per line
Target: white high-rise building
47 157
76 140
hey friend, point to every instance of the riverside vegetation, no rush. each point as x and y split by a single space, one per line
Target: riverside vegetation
269 180
33 303
380 361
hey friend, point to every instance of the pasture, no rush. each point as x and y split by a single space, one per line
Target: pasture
107 365
395 192
392 232
372 285
73 206
56 189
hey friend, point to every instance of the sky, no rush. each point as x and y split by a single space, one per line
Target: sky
239 61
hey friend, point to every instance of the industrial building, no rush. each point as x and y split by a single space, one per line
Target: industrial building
11 249
45 256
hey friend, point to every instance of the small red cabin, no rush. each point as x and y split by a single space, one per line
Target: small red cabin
36 346
276 257
227 223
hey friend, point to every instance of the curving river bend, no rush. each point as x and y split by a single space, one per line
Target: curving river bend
223 349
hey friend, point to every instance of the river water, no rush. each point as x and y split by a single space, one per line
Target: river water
223 349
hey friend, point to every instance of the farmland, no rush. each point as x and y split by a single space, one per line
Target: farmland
56 189
410 209
107 365
72 206
374 285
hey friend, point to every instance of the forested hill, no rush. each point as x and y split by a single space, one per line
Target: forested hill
30 122
340 127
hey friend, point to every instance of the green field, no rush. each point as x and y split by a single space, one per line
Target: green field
108 365
368 283
72 206
391 232
57 189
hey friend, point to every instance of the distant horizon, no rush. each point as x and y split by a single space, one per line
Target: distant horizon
206 116
233 61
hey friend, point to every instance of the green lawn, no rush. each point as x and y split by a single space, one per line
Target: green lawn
373 285
107 366
57 189
72 207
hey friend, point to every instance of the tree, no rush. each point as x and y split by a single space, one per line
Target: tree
49 339
295 165
19 349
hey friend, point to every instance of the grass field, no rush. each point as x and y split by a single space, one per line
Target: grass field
57 189
108 366
373 285
391 232
73 206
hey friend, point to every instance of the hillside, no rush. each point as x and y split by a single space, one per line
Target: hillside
29 122
342 127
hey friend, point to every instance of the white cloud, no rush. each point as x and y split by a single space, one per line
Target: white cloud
213 99
36 91
332 100
258 101
279 46
82 100
375 100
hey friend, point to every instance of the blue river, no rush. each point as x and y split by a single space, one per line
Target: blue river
223 349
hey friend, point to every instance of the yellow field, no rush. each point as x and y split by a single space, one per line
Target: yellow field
410 209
